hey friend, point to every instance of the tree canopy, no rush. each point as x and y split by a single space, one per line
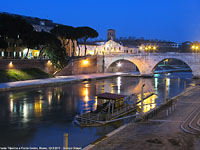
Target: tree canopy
51 44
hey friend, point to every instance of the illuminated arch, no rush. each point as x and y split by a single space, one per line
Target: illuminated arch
154 68
118 64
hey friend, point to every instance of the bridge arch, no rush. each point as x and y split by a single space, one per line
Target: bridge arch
146 63
178 59
121 65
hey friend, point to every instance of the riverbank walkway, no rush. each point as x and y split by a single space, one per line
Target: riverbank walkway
54 81
161 132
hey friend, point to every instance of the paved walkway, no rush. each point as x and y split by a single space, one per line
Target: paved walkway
162 132
52 81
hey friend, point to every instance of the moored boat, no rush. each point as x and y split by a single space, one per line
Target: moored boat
110 107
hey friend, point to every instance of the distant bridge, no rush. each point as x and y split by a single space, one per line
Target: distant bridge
147 63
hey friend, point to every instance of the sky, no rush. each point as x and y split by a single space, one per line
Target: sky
174 20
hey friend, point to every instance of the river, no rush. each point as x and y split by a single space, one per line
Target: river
41 116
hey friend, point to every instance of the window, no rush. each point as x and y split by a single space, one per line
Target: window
20 54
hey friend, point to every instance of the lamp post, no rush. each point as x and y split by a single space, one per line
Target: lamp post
142 99
103 62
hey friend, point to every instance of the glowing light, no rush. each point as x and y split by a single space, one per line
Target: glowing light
91 52
49 62
10 64
11 105
156 85
50 97
95 104
149 47
197 47
119 64
140 48
38 108
193 47
58 96
25 112
85 62
25 51
154 48
149 103
118 84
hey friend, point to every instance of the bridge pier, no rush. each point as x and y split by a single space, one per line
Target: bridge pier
196 76
147 75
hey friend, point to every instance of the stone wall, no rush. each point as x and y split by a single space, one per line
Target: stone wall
85 65
43 65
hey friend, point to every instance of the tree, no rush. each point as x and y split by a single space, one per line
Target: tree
64 33
185 47
56 55
3 45
13 27
46 39
87 32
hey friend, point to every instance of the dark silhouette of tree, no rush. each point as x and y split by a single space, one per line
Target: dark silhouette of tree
13 27
4 45
185 47
87 32
46 39
64 33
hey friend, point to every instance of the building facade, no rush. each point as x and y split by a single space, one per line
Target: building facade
104 48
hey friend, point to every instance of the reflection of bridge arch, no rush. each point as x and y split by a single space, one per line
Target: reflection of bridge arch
149 86
146 63
169 58
125 65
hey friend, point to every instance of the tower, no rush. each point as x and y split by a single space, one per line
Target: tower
110 34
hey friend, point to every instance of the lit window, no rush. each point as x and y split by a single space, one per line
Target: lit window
20 54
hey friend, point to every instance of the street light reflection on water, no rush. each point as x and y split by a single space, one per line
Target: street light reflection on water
45 114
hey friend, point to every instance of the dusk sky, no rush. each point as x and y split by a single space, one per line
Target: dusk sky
175 20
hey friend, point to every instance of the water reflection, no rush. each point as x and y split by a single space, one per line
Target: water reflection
118 84
45 114
148 104
38 108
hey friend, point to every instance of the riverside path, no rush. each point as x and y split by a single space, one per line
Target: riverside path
166 131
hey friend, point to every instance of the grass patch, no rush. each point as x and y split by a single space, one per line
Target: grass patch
11 75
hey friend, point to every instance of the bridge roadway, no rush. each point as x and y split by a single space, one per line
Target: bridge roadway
174 127
147 62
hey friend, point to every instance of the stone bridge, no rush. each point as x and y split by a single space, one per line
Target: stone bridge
147 63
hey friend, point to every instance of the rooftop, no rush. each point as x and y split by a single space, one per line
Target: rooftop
110 96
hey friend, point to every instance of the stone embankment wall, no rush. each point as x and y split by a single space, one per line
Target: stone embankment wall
80 66
43 65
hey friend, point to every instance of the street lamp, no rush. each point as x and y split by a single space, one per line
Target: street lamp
119 64
195 48
103 61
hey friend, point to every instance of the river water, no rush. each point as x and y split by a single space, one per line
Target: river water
41 116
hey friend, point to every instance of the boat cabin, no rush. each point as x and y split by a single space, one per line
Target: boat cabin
114 100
